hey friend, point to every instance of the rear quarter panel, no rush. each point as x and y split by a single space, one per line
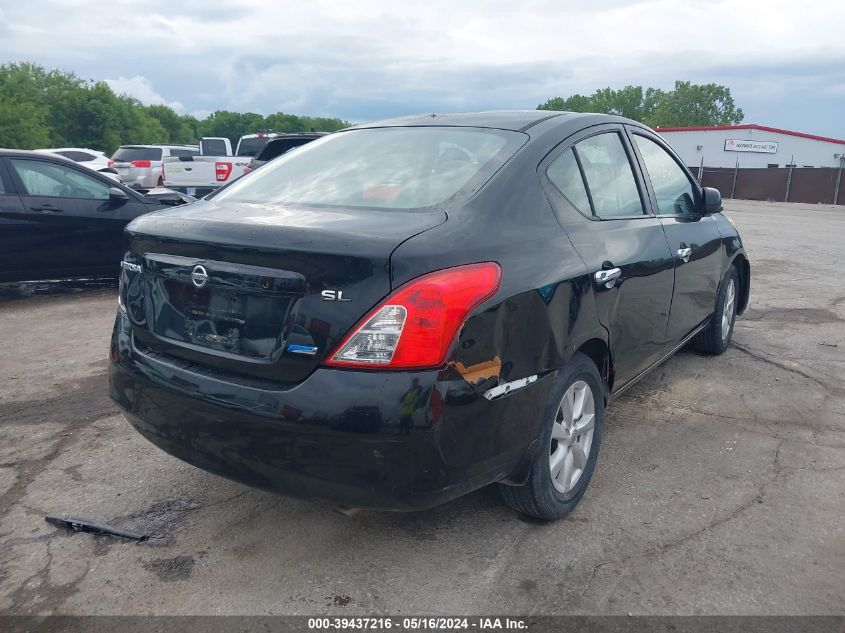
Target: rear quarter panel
544 309
734 253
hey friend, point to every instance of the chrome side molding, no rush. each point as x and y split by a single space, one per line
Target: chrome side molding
507 387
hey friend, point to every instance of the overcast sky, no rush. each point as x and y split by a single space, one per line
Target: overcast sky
783 61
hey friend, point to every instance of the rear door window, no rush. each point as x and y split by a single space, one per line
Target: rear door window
213 147
128 154
612 187
673 190
41 178
565 174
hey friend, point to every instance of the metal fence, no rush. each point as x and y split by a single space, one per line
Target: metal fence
816 185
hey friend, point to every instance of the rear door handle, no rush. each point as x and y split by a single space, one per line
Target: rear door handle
684 253
45 208
607 278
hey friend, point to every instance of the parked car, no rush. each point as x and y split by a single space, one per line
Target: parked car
61 220
91 158
250 144
199 175
169 197
400 313
139 166
281 144
278 145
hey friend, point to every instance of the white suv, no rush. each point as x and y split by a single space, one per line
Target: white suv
139 166
91 158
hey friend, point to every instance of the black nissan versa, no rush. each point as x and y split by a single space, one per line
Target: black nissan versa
405 311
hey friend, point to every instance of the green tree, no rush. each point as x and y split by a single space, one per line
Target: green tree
30 83
231 125
686 105
49 108
281 122
22 125
323 124
696 104
179 129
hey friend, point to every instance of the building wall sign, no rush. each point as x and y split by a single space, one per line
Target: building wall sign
760 147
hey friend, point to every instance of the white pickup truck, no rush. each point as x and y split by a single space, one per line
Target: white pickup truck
211 169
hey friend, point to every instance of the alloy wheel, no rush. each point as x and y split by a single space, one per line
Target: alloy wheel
728 311
572 436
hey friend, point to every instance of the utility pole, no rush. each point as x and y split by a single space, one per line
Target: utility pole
789 177
736 170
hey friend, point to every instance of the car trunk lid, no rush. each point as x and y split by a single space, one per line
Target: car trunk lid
260 291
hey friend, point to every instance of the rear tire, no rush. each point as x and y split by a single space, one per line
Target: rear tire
715 338
570 437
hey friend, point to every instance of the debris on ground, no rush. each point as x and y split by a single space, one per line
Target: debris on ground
86 525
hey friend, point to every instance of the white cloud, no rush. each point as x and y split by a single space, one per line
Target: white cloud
376 57
142 89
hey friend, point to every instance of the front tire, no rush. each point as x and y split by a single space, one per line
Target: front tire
715 338
570 438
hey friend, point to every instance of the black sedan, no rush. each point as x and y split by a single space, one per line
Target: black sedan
402 312
62 220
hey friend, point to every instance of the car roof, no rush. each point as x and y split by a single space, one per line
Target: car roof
281 136
70 149
161 145
516 120
27 153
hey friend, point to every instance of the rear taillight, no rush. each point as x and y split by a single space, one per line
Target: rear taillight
222 171
111 164
141 163
163 177
414 327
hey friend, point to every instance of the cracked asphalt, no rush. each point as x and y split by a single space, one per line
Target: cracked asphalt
720 488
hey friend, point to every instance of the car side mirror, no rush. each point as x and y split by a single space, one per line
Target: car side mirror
116 194
712 201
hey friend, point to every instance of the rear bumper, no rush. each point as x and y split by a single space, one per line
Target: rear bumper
341 435
143 178
196 191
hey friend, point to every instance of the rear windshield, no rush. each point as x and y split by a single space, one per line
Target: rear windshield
213 147
183 153
396 168
137 153
79 157
250 146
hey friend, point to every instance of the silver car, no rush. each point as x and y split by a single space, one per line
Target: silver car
139 166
